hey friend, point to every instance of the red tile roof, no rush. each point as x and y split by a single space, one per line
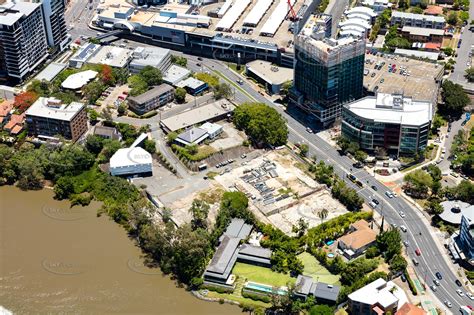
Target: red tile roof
434 10
433 46
16 130
15 120
5 108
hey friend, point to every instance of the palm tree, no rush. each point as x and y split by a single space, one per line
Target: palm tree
323 214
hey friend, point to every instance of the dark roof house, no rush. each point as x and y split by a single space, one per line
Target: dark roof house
192 136
322 292
107 132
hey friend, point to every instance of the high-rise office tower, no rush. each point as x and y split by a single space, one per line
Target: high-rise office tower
328 71
23 44
56 30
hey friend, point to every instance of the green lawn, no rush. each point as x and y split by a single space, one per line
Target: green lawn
313 268
240 299
262 275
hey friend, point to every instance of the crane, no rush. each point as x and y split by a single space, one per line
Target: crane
292 11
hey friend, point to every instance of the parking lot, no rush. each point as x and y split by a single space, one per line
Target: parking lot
396 74
113 96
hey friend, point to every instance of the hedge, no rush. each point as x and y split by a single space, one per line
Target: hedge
411 284
256 297
183 153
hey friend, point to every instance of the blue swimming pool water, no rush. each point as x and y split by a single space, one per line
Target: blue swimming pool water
263 288
330 255
329 243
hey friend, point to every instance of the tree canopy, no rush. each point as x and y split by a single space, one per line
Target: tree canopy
262 124
455 99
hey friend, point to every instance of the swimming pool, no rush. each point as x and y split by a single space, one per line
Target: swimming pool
330 255
264 288
329 243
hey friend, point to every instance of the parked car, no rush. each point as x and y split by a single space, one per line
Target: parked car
469 295
433 287
404 279
458 283
460 293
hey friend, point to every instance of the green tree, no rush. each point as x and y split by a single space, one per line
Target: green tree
64 187
180 61
347 196
94 144
151 75
304 149
434 207
171 137
470 74
360 156
324 174
403 4
137 85
435 172
301 227
42 88
398 263
93 90
149 146
199 210
180 95
285 88
263 124
222 90
452 18
323 214
464 16
321 310
449 51
390 243
418 183
122 109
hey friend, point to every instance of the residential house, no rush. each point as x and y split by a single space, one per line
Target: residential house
6 108
323 293
16 124
360 237
107 132
213 130
422 35
377 297
417 20
193 86
191 136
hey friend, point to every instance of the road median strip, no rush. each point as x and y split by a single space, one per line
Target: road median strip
235 85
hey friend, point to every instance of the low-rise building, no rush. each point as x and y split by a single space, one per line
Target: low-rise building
6 108
51 71
115 57
49 117
16 124
156 97
433 10
107 132
422 35
175 74
391 121
218 271
208 113
378 297
156 57
417 20
213 130
131 162
360 237
378 5
82 55
410 309
77 80
193 86
271 76
323 293
191 136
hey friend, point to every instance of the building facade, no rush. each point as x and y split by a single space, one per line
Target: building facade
48 117
417 20
152 99
23 44
394 122
466 238
328 72
56 30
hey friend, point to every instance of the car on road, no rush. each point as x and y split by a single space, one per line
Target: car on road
458 283
438 275
469 295
309 130
433 287
374 187
406 243
240 81
376 201
403 228
460 293
198 64
394 225
448 304
358 165
436 282
418 252
403 277
199 58
389 194
402 214
372 205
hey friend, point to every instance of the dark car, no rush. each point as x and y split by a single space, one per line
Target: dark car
374 187
404 279
358 165
375 201
438 275
458 283
199 58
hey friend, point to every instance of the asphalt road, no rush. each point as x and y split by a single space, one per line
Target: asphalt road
78 14
463 54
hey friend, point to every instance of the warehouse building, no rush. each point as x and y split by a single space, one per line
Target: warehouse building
156 57
271 76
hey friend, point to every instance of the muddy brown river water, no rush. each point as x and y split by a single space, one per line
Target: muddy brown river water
60 260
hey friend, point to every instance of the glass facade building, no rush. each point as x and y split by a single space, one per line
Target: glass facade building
328 72
466 238
399 128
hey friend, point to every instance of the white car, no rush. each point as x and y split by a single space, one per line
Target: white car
402 214
469 295
403 228
459 292
448 304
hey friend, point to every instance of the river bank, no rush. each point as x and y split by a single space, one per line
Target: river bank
60 259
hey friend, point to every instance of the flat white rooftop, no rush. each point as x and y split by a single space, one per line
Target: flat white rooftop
130 157
380 291
78 80
53 108
11 12
113 56
394 109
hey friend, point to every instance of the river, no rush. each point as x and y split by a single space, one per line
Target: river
57 259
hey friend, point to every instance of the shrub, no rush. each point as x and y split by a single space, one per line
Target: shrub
411 284
256 297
